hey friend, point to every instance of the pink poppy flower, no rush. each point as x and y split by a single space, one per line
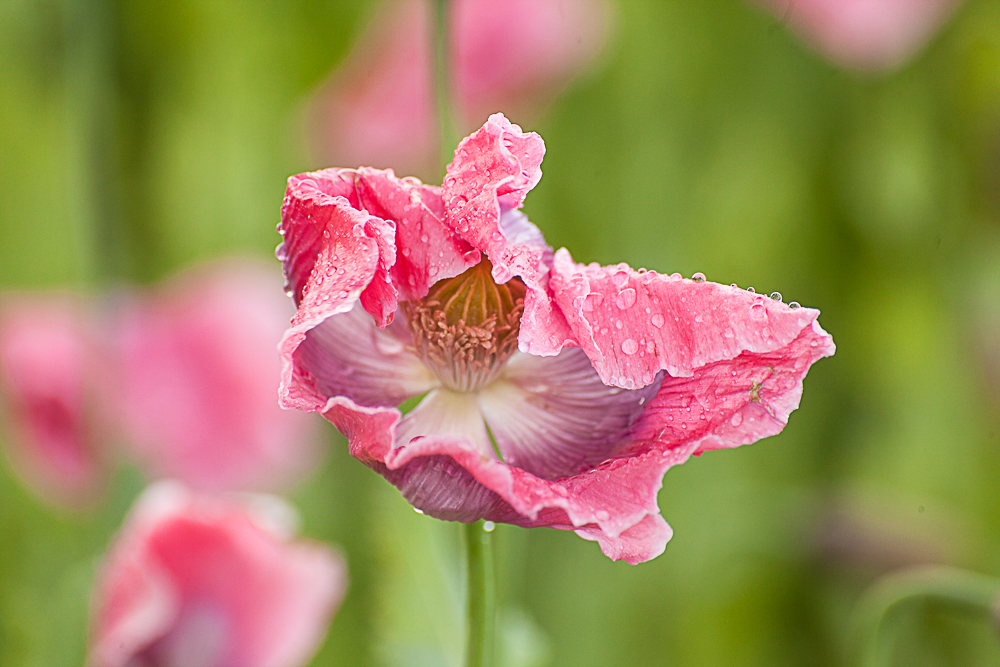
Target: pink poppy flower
864 34
197 371
554 393
48 378
202 581
379 107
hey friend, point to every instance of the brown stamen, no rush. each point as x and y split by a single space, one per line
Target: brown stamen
466 327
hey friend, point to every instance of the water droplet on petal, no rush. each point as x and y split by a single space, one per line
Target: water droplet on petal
489 526
733 285
629 346
424 238
758 312
620 278
737 419
418 511
698 277
326 233
656 320
794 304
625 298
751 290
602 515
776 296
592 301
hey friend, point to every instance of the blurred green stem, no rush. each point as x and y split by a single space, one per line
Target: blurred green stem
879 609
91 98
442 81
479 596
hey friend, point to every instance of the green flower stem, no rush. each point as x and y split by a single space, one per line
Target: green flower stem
880 607
91 97
442 81
479 622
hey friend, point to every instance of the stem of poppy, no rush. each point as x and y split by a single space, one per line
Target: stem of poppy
442 81
880 607
479 606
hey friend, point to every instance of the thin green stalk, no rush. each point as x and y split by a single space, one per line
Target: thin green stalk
442 81
479 621
91 98
880 607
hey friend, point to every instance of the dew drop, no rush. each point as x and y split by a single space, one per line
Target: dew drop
602 515
618 324
629 346
489 526
620 278
751 290
676 276
776 296
698 277
625 298
424 238
737 419
418 511
656 320
733 285
326 233
794 304
593 301
758 312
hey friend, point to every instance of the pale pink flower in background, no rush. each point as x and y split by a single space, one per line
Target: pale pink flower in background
205 581
379 107
197 372
864 34
552 393
49 373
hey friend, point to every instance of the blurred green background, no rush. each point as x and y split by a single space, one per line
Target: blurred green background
708 139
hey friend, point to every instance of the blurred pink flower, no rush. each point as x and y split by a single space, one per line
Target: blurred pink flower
864 34
202 581
48 378
379 107
198 371
556 394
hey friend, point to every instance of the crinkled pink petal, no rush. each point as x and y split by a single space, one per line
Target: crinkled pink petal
201 580
335 247
196 381
450 478
632 324
493 170
48 377
519 64
426 249
378 108
864 34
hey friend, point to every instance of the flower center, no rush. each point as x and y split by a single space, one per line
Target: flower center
466 327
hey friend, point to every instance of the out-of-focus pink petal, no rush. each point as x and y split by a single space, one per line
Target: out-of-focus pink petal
426 249
347 355
633 324
49 377
501 63
197 374
553 417
493 170
864 34
199 580
378 108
